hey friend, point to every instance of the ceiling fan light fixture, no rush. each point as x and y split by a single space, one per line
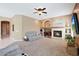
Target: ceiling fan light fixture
40 10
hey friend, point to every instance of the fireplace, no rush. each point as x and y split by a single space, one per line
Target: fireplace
57 33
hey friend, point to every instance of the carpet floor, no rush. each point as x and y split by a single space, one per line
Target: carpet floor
44 47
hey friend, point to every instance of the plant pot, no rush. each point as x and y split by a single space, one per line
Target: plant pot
71 45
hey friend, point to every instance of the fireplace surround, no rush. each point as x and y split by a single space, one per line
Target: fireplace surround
57 33
53 32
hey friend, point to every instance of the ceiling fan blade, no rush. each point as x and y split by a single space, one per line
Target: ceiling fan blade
44 12
43 8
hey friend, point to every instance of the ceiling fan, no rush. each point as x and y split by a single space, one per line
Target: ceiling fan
40 11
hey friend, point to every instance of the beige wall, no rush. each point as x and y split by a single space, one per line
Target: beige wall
60 21
6 19
17 33
23 24
29 24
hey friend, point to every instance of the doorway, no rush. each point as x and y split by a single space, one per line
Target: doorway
5 29
47 32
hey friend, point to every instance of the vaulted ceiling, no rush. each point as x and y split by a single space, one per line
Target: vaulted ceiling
53 9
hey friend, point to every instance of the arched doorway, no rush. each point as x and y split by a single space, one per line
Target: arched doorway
5 29
46 29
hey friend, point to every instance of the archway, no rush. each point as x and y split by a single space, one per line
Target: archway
47 28
47 24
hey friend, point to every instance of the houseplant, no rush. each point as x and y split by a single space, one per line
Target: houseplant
70 40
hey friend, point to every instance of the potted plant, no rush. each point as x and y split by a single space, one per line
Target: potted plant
70 40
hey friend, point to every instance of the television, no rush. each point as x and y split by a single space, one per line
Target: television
75 23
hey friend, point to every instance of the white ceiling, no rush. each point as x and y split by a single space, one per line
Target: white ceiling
53 9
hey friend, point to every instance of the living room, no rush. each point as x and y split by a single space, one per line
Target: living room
35 26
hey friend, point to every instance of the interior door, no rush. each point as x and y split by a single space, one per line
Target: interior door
5 29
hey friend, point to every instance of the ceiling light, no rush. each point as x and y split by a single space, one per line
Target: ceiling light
40 10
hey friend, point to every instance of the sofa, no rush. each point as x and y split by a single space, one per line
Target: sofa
33 35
